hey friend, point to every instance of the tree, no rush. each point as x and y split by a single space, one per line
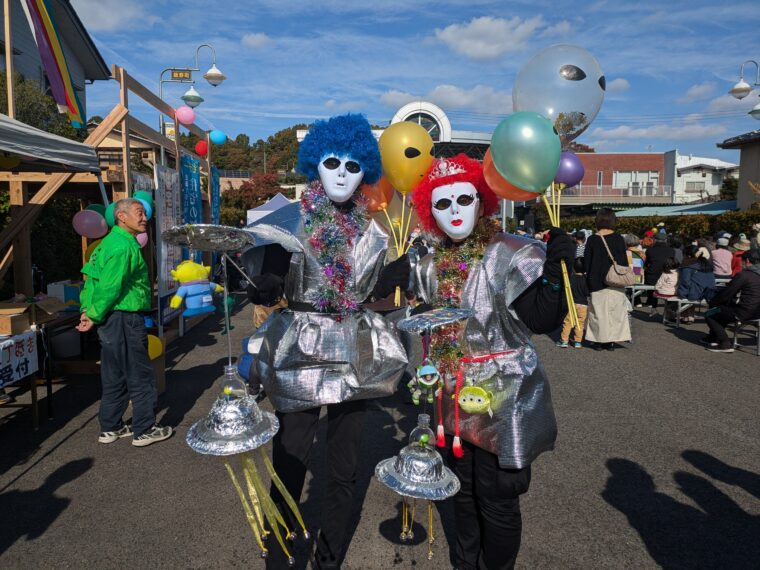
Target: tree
251 193
729 188
37 109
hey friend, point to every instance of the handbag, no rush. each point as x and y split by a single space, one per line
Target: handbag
618 275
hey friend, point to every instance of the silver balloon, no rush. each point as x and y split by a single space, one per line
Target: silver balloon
565 84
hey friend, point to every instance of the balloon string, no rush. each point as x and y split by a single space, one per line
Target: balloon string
406 241
390 227
431 538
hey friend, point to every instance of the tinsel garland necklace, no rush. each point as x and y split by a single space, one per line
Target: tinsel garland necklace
453 263
332 230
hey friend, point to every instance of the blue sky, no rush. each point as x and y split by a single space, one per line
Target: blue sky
668 64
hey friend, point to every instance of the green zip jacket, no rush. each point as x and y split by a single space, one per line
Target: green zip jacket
117 277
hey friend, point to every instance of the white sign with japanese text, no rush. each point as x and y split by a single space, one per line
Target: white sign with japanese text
18 357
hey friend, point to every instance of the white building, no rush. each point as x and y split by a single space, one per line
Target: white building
696 178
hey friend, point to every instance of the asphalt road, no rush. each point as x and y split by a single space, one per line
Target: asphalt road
657 464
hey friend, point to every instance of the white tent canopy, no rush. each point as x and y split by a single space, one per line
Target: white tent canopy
33 145
255 214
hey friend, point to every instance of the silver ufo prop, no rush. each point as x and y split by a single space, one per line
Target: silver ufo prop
208 237
429 320
418 472
232 426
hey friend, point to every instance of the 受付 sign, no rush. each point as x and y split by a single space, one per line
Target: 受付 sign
18 357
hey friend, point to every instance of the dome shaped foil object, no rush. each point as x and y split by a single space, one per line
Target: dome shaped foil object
234 425
418 472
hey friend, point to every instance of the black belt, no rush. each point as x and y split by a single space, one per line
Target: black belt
298 307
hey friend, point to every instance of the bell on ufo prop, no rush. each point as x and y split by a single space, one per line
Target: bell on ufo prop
418 472
236 426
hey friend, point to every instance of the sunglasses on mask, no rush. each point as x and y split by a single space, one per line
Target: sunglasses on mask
463 200
351 166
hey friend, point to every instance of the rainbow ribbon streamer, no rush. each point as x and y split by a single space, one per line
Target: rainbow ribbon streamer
39 13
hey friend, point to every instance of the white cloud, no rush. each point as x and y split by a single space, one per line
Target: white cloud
618 85
729 103
255 40
481 98
669 132
562 28
343 106
697 92
488 37
111 15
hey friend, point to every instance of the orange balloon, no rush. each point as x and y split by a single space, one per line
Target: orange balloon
500 186
378 195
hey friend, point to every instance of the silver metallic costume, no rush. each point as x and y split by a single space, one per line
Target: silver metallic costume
520 423
306 359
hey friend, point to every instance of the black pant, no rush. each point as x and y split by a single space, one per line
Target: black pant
718 323
126 373
487 509
291 453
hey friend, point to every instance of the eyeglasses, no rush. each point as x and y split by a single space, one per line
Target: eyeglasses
463 200
332 163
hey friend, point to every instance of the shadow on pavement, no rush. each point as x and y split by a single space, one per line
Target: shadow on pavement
28 514
716 533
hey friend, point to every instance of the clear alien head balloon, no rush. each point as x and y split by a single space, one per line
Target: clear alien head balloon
565 84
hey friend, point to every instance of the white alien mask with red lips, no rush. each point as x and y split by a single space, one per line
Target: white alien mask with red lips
456 209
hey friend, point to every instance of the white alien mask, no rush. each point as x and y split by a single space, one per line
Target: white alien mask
456 209
340 176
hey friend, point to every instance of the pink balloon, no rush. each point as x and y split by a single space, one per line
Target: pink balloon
90 224
185 115
142 239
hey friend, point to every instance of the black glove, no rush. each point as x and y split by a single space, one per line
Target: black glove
268 290
560 247
395 274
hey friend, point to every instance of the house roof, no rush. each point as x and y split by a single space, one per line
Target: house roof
79 40
713 208
684 162
741 140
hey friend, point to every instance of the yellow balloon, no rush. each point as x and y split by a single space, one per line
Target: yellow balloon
155 347
90 249
406 150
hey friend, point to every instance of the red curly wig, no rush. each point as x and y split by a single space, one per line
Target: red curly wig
459 168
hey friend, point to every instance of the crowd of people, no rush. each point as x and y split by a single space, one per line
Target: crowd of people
721 270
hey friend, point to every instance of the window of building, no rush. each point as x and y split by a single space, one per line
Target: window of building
599 179
695 187
428 123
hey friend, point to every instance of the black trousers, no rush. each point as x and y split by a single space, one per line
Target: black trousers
718 323
126 373
487 509
291 453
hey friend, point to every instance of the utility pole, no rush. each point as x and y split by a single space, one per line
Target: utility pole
9 58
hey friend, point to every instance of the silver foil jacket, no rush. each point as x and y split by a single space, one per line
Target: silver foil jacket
309 359
523 424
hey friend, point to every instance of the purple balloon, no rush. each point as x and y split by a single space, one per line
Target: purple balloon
90 224
570 171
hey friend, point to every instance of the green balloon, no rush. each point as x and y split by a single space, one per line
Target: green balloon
110 220
526 150
143 195
99 208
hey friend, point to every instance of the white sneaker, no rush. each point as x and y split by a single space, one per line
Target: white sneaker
156 433
111 436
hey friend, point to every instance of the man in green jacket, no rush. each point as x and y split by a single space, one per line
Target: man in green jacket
116 296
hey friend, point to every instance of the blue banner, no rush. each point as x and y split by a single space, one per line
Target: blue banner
216 196
192 201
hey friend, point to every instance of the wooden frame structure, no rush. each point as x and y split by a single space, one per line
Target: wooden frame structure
15 240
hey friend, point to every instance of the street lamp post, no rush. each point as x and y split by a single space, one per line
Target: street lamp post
742 88
185 75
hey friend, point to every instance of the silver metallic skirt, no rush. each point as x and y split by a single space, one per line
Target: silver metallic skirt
307 359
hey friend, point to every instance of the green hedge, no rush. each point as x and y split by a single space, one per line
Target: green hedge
687 226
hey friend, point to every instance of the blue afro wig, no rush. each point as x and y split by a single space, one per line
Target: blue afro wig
348 135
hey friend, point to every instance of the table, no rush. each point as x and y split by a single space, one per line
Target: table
635 290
